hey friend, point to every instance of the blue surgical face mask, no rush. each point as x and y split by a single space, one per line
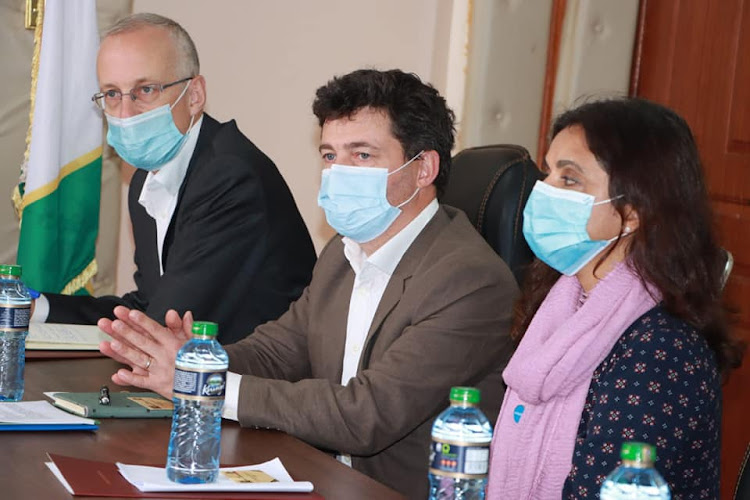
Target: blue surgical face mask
554 224
355 200
148 140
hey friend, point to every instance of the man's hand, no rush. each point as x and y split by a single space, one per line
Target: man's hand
146 346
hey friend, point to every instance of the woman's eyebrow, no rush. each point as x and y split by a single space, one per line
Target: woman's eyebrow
569 163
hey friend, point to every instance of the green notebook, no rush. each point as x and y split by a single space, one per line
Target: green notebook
122 404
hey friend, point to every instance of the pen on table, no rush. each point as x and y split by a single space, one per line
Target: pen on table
104 395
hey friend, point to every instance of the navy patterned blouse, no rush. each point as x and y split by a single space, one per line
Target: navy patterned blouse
659 385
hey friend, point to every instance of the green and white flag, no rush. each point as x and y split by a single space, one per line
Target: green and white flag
58 195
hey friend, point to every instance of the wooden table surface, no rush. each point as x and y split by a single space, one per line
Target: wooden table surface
23 474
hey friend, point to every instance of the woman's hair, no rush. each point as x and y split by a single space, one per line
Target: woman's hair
653 165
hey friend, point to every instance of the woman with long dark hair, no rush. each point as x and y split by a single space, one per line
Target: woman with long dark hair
621 330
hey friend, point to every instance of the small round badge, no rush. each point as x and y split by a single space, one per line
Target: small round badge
517 412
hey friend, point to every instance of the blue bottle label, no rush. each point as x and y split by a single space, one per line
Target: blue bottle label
459 460
15 318
199 385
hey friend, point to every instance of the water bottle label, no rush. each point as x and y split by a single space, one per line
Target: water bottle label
15 318
197 385
459 460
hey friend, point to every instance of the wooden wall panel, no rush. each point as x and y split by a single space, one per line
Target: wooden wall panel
692 56
739 105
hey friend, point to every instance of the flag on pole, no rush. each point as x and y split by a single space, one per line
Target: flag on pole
58 195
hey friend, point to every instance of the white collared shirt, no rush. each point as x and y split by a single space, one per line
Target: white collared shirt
161 188
371 277
159 198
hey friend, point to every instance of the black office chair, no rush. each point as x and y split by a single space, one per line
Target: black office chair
491 184
742 490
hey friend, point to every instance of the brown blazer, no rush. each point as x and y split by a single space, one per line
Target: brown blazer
443 320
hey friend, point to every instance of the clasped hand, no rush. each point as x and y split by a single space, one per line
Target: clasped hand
146 346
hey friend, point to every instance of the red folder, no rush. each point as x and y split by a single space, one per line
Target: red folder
90 478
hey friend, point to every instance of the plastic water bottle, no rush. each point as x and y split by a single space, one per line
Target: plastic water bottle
199 385
460 452
15 311
636 477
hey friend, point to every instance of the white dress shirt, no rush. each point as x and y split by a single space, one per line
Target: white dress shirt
371 276
161 188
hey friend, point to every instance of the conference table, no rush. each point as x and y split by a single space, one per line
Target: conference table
23 474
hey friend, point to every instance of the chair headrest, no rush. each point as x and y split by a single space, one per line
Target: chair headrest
491 184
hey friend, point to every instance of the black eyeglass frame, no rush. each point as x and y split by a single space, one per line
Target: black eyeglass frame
99 97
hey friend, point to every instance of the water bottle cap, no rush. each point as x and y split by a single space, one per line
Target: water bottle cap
205 328
12 270
470 395
638 452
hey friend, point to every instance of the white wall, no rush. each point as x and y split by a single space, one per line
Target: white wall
507 59
596 51
505 81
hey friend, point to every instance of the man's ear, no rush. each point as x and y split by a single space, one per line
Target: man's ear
197 95
429 166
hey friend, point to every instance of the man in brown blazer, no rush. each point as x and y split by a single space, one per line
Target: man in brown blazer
407 301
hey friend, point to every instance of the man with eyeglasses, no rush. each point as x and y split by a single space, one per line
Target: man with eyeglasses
216 229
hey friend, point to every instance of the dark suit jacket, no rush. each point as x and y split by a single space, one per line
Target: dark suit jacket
443 320
236 251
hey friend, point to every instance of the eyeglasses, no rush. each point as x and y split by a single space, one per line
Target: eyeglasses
143 94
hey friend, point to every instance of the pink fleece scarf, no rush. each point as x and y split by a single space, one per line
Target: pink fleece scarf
548 379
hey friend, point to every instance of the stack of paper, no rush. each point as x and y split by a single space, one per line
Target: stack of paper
40 416
155 479
57 336
93 478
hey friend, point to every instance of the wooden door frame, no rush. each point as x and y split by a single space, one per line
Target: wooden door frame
556 24
635 67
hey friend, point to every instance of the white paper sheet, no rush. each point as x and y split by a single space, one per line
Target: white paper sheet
53 467
38 412
62 336
155 479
